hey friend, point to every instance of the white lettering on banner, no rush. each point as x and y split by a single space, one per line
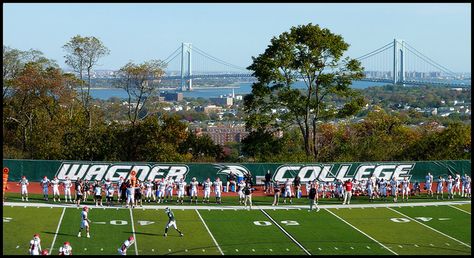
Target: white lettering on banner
387 175
280 172
63 171
176 172
141 172
113 170
362 170
403 170
343 169
323 176
302 174
155 171
96 170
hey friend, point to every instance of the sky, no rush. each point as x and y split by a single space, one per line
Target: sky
235 32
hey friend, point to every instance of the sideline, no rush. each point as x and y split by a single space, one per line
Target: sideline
231 207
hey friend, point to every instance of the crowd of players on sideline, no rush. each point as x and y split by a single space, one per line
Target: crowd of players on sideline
133 194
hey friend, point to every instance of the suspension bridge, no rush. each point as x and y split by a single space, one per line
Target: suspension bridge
397 62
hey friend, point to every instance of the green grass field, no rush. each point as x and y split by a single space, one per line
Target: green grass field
440 229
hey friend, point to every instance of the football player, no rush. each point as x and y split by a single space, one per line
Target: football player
45 182
126 244
98 193
383 189
55 184
35 245
67 189
169 189
66 249
394 187
161 190
84 221
428 182
109 192
218 190
130 194
440 188
457 184
241 186
181 188
449 183
207 190
194 189
171 222
24 188
149 190
288 193
405 188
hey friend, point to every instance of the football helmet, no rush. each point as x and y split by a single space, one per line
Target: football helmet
131 238
85 208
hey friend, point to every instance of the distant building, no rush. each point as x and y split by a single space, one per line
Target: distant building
224 134
212 109
172 96
225 101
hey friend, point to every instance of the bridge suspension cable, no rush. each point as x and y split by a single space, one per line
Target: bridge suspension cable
427 59
381 49
217 59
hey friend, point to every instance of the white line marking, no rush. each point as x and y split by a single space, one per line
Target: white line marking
271 250
400 246
253 250
319 248
152 250
99 222
133 230
57 230
416 245
459 209
361 231
17 246
336 248
203 222
431 245
429 227
284 231
447 244
237 250
352 248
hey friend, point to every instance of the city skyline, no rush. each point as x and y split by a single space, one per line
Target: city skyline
236 32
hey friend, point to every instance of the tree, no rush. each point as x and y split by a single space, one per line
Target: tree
138 80
83 53
313 55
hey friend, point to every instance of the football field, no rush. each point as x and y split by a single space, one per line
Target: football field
440 228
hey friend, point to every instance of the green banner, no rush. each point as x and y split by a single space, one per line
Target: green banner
35 170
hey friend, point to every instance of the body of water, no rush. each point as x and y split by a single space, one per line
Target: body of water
239 89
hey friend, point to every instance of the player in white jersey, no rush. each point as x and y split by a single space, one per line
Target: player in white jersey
394 187
428 184
109 192
449 184
181 190
130 194
67 189
383 189
218 190
370 190
440 188
288 193
169 189
35 245
84 221
66 249
194 190
45 182
119 184
241 186
55 183
24 188
405 188
457 184
207 189
126 244
148 190
98 193
161 190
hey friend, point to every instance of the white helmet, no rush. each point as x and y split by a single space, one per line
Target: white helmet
167 210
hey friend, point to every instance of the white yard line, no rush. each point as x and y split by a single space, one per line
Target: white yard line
215 242
429 227
133 230
286 233
459 209
361 232
57 230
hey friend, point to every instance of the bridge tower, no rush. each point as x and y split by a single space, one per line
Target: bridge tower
186 51
398 61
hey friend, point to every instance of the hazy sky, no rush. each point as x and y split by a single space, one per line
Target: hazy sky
236 32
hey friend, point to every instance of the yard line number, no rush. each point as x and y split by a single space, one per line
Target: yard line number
268 223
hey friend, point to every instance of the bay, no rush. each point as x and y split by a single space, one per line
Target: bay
239 89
